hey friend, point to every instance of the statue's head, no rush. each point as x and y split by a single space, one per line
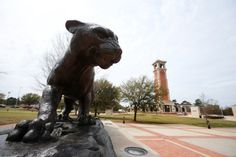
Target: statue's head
95 44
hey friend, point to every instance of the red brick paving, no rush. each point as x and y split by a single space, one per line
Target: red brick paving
172 146
167 149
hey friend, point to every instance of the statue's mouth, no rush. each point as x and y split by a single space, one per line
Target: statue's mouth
113 56
106 56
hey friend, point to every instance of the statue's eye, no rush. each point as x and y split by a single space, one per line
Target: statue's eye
101 33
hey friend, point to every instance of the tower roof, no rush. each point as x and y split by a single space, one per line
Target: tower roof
159 61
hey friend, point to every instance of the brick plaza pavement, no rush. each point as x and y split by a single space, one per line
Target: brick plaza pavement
170 140
173 140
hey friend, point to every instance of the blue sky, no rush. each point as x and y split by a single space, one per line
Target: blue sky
197 38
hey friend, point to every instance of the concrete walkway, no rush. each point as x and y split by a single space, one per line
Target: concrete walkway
173 140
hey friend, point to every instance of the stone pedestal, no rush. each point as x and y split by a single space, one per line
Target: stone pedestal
69 140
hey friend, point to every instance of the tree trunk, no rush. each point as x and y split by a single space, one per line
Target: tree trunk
135 112
143 109
95 111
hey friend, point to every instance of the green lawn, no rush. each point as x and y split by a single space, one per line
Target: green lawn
12 115
169 119
15 115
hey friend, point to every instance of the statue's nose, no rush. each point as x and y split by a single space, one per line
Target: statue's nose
118 52
117 56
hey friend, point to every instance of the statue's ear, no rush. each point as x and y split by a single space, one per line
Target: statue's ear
72 24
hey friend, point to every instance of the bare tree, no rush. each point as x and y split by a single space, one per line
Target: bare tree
55 53
203 99
59 46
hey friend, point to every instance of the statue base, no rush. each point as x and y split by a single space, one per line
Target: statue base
69 140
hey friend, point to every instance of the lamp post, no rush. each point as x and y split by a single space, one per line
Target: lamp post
221 111
18 96
8 93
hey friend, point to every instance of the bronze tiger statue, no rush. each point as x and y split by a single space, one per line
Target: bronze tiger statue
73 76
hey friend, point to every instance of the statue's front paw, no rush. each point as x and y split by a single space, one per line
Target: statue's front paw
19 131
30 131
86 120
36 129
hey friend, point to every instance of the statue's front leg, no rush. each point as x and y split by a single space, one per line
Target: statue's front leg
84 105
42 126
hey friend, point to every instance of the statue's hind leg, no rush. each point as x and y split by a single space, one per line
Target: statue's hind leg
68 108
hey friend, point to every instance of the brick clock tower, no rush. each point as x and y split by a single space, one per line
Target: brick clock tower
161 85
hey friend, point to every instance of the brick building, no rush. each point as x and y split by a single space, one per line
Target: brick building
161 86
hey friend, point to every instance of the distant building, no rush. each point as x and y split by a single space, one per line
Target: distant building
183 107
2 105
234 110
161 86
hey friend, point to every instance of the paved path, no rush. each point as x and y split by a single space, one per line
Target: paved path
169 140
175 140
